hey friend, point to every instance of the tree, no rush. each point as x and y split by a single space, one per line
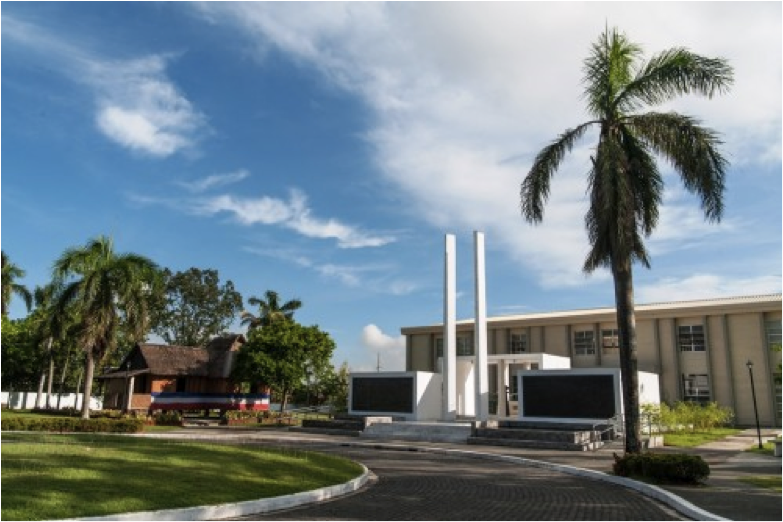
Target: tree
21 355
280 354
624 182
10 274
194 307
269 310
106 289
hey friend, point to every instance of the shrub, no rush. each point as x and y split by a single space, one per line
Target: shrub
70 424
678 468
167 418
685 415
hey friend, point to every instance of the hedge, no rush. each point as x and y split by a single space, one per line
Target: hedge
70 424
669 468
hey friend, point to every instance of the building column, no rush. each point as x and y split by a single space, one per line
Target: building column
450 329
502 369
480 331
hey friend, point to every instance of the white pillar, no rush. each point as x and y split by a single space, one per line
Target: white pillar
480 331
450 329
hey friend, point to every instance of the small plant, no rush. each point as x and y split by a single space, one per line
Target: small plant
677 468
167 418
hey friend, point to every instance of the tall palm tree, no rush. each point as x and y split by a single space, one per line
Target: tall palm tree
624 182
269 310
10 274
106 289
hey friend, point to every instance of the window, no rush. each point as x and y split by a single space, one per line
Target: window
517 343
464 346
439 347
773 335
696 388
610 341
584 343
691 338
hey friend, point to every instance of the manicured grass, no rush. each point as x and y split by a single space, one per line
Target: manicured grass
772 482
66 476
767 448
687 439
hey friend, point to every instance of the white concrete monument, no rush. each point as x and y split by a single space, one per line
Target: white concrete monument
480 371
450 329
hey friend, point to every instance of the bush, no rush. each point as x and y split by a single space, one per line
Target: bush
685 415
167 418
677 468
70 424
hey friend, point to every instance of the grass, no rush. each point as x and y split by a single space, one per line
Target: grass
767 448
772 482
48 477
688 439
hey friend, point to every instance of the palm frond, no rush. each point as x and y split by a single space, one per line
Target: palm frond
607 70
535 187
692 150
673 73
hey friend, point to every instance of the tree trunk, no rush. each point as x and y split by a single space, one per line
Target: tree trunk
64 373
49 382
39 392
284 401
626 326
89 369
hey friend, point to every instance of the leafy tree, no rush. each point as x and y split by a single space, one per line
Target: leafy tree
10 274
624 182
279 355
194 307
106 289
269 310
22 356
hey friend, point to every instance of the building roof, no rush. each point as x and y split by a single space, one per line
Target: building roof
772 302
213 361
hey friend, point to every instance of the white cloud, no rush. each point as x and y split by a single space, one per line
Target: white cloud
705 286
137 106
464 94
214 180
380 346
293 214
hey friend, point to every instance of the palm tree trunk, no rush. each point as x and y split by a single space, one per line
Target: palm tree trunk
39 392
49 382
89 369
626 326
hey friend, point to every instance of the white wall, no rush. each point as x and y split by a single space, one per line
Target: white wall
427 389
26 400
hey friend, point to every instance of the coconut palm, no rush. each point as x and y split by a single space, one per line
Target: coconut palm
624 182
10 274
269 310
106 289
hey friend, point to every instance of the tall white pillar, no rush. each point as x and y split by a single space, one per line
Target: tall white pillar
480 331
450 329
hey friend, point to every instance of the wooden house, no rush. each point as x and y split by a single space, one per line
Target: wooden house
166 377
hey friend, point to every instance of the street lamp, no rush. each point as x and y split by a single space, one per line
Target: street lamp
749 364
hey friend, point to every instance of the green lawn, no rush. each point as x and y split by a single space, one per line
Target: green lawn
687 439
772 482
65 476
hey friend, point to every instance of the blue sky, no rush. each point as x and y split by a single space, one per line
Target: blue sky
323 150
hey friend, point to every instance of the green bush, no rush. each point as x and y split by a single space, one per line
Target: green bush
72 425
677 468
167 418
685 415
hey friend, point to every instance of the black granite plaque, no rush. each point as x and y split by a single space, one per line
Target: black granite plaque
382 394
569 396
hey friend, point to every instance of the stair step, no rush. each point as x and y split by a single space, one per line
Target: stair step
337 424
577 437
534 444
326 431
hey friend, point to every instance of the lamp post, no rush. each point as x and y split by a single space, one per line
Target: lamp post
749 364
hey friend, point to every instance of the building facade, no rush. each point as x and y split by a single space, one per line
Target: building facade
699 349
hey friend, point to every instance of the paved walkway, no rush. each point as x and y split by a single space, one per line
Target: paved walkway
534 495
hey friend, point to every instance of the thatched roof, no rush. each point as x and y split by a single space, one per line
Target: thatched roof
214 361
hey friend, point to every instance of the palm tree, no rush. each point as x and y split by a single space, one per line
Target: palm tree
269 310
624 182
106 289
10 274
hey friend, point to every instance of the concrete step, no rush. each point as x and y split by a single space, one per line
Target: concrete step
535 444
419 431
571 437
336 424
326 431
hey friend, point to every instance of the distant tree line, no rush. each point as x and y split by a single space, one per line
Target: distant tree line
99 303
